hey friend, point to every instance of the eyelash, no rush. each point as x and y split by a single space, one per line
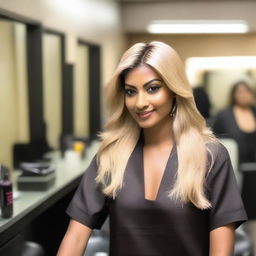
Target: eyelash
153 88
131 92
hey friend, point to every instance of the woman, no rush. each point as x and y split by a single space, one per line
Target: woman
160 174
239 121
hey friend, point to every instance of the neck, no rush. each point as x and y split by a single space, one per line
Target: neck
159 134
244 108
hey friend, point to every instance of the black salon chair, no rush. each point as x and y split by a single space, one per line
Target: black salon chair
32 249
243 245
16 246
99 241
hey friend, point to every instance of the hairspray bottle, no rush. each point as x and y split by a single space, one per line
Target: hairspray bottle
6 196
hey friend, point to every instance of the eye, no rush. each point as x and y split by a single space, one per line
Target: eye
153 89
129 92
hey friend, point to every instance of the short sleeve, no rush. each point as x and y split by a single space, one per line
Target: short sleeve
89 205
227 206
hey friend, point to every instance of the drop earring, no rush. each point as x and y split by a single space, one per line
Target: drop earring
174 108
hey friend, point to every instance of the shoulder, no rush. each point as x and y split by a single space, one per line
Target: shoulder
217 155
225 113
216 149
94 162
92 167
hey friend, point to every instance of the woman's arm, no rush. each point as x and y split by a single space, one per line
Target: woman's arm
75 240
222 241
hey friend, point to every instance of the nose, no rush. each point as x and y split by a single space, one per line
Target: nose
142 101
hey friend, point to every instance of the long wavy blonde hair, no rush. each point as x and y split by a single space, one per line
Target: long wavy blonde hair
121 132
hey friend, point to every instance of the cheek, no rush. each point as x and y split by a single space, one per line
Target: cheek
249 96
128 103
162 99
244 96
238 97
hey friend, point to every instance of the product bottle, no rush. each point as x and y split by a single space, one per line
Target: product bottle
6 194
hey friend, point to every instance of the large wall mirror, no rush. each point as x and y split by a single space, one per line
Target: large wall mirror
86 97
52 86
219 83
14 113
81 92
42 98
22 126
217 75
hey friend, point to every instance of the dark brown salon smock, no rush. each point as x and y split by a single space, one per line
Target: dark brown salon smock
164 226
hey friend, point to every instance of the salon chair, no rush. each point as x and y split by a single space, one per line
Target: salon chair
243 245
16 246
32 249
98 244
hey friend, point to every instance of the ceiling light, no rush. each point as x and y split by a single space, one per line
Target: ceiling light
197 26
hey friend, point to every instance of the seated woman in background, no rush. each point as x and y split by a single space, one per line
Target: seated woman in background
239 121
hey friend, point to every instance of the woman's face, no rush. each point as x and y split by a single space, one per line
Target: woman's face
243 96
147 98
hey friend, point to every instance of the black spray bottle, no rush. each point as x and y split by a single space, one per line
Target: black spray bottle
6 196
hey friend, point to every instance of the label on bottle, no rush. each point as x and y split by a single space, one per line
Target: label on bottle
8 198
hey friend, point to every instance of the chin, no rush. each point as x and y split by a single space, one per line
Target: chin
146 125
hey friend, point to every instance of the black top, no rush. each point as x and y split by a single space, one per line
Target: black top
162 227
226 126
202 101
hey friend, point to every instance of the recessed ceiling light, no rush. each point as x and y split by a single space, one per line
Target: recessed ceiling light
197 26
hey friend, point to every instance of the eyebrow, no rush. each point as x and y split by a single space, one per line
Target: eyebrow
147 83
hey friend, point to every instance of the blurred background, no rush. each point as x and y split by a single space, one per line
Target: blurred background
56 56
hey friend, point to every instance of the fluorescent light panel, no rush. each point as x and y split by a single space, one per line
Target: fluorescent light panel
197 26
245 62
198 64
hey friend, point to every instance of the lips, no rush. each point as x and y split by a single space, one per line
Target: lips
145 114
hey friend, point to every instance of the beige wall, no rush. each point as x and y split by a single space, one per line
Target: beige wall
202 45
8 117
13 92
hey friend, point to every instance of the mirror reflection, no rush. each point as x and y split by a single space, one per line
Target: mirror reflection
52 87
13 89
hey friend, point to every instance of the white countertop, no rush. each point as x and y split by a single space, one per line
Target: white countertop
68 169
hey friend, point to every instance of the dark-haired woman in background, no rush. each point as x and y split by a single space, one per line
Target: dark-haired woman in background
239 121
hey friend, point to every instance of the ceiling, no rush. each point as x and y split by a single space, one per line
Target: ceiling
137 14
177 1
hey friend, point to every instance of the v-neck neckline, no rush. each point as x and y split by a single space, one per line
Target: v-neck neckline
142 171
236 123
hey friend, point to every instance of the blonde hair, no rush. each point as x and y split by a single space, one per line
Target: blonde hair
121 132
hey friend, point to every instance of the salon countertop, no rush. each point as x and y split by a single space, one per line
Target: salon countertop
29 204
